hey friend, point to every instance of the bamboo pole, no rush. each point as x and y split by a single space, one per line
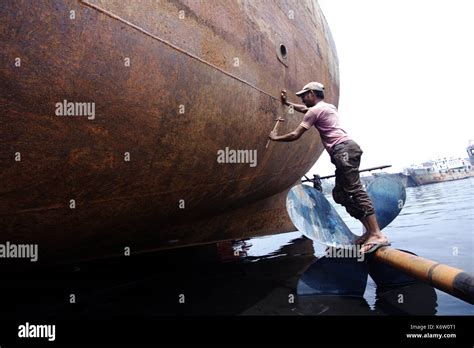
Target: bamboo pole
443 277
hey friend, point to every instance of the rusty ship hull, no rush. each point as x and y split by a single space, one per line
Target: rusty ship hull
441 170
172 84
424 178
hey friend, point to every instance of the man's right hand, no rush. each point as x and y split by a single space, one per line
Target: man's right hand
283 97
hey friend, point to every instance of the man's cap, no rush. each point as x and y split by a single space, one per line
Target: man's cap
312 86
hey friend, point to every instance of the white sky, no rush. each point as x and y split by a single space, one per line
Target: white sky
406 77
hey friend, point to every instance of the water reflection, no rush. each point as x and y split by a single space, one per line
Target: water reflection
397 293
414 299
244 277
334 276
400 294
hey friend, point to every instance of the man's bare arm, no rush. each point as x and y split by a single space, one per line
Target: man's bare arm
298 107
295 135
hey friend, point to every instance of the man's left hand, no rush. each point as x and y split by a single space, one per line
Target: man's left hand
273 135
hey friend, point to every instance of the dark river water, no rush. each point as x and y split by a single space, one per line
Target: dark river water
282 274
436 223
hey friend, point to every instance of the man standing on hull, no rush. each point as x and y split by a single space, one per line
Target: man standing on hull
345 155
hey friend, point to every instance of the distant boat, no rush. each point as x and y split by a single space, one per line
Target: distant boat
446 169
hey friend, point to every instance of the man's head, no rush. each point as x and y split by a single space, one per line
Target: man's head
311 93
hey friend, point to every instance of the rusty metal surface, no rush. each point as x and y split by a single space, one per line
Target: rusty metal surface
182 54
435 177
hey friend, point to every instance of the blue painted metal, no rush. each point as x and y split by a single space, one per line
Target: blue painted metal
388 196
316 218
334 276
